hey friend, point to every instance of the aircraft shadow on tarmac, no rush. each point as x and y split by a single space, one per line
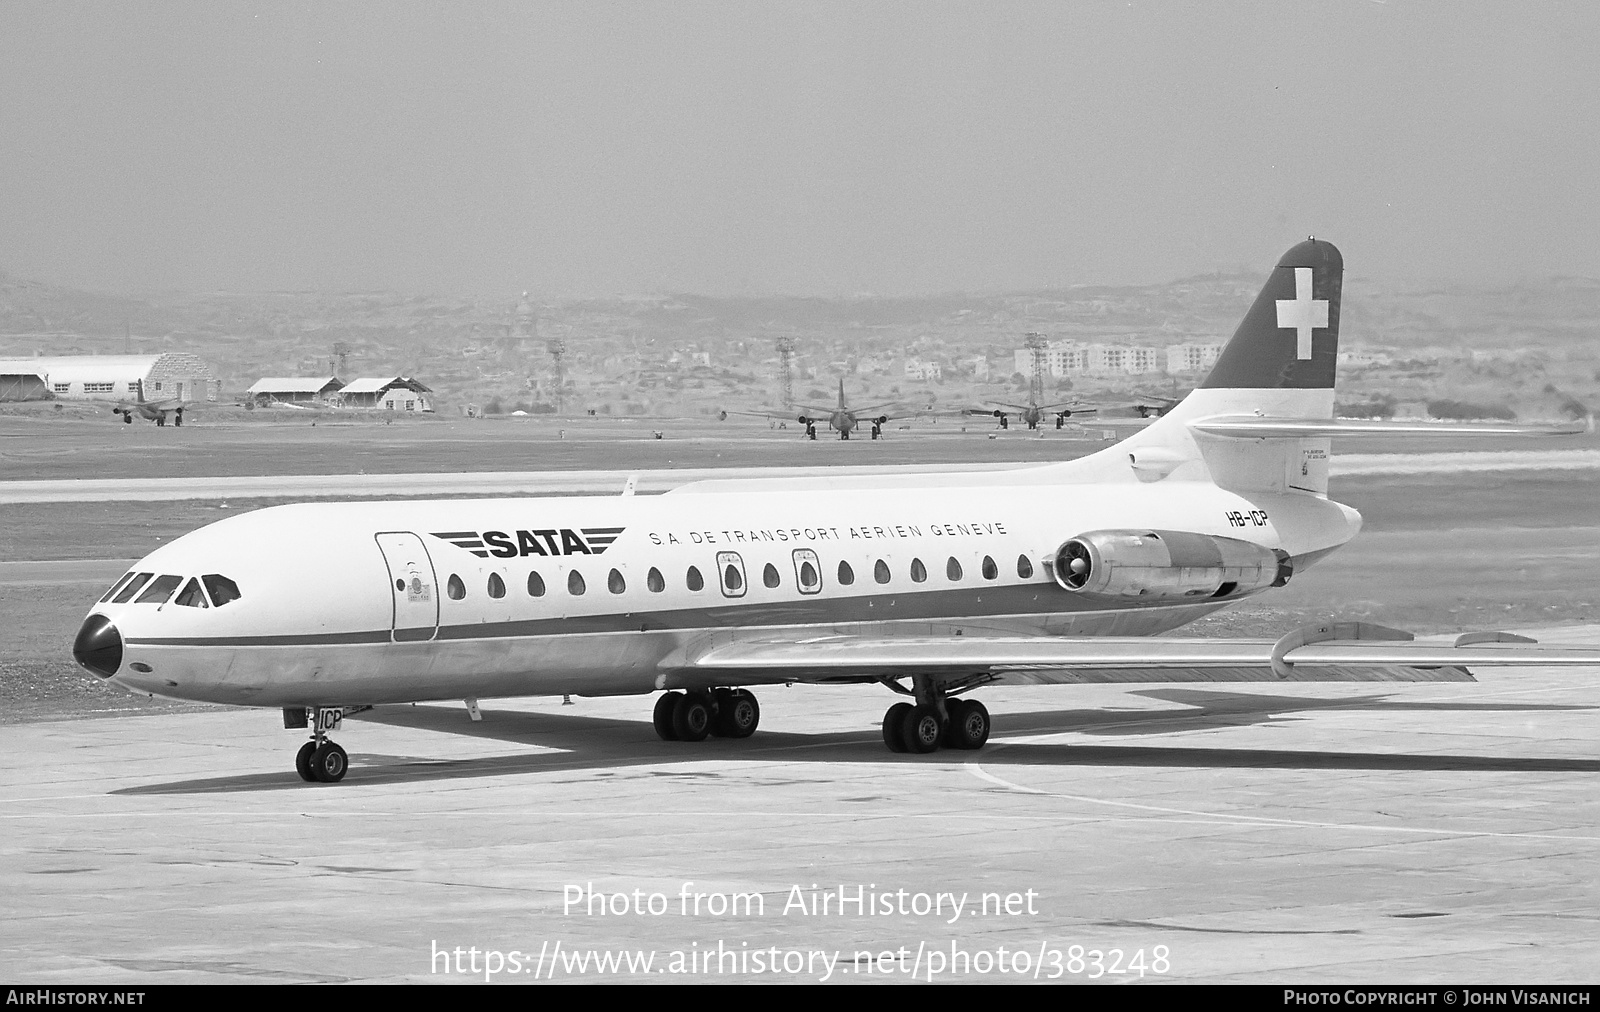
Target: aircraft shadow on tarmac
573 742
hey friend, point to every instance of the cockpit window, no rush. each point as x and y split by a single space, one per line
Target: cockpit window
159 590
191 596
116 587
221 589
132 587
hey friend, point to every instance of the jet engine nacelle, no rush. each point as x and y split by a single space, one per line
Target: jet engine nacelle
1167 564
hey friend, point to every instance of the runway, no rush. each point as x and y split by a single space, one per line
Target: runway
1262 834
601 482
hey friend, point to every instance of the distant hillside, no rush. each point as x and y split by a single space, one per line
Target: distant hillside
648 354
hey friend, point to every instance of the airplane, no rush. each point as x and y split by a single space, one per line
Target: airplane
1033 413
155 411
931 586
1160 406
842 418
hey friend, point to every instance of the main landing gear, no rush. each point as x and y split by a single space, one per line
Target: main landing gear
935 719
693 716
319 760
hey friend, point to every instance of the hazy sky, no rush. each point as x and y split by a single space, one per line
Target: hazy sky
806 148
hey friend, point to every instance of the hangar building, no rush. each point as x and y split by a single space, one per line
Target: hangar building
393 393
108 377
293 389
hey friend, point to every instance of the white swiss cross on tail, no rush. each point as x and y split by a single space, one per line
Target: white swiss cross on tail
1302 313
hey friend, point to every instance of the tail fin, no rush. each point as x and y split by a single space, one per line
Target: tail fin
1290 337
1280 363
841 395
1263 419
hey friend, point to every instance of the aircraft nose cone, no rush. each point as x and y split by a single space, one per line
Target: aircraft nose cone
98 646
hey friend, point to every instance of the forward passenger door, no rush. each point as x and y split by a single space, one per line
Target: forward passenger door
413 586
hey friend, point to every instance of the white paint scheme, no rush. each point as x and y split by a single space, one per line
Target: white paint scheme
339 600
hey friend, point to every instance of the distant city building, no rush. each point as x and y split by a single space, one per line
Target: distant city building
1182 358
979 367
395 393
110 377
293 389
1058 358
923 369
1069 358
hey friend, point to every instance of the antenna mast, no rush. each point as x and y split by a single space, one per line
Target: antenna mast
341 359
1035 345
558 371
786 372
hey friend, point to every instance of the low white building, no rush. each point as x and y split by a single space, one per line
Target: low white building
387 393
116 377
293 389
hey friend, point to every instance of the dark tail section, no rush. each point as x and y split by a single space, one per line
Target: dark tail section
1290 337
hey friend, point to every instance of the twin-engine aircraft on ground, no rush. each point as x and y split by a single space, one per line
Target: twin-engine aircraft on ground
1032 414
841 418
155 411
932 586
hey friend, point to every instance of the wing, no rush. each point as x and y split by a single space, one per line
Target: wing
787 416
894 409
1340 652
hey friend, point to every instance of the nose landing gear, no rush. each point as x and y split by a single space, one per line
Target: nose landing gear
320 760
321 763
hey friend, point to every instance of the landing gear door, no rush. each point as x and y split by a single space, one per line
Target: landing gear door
413 586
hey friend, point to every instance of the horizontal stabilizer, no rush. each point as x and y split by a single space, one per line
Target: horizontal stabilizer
1257 427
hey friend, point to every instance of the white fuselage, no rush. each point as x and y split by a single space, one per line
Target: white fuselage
356 603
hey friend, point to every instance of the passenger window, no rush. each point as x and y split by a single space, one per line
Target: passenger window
221 589
847 576
990 570
694 580
731 567
132 587
1024 567
191 595
880 571
769 576
455 588
919 572
952 569
159 590
575 584
615 583
806 573
116 587
535 585
654 581
497 586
